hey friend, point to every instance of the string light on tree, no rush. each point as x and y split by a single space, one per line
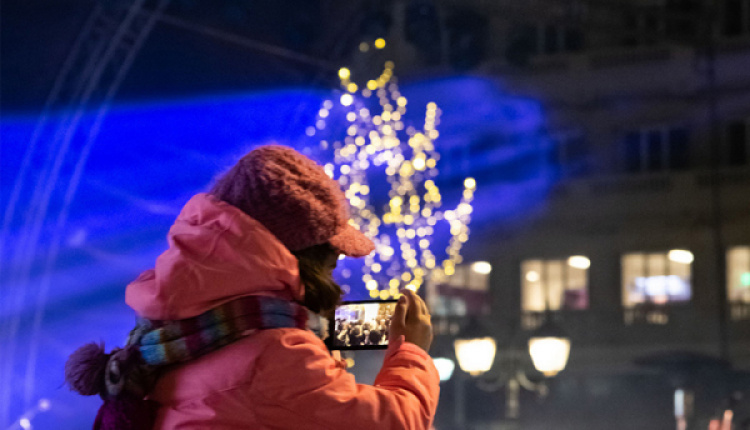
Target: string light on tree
372 140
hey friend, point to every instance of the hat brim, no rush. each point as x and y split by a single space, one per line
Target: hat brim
352 242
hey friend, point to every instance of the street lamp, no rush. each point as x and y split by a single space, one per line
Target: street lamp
475 356
549 348
475 350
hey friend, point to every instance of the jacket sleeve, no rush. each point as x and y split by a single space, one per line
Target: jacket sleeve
297 384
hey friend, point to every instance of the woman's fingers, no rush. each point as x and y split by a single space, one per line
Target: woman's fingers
408 320
425 310
399 314
414 307
420 307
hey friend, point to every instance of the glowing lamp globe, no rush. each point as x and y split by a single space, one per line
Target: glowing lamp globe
474 348
445 367
549 349
475 356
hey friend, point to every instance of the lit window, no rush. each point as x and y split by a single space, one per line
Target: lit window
738 281
464 292
555 284
656 278
472 276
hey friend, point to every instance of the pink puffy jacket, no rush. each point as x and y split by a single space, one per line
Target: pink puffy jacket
272 379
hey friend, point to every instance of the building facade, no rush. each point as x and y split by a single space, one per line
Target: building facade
641 250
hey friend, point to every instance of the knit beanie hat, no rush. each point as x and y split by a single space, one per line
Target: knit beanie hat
294 198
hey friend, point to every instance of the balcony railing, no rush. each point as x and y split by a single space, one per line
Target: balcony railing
647 313
532 320
640 314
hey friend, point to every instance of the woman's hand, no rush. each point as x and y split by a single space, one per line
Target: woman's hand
412 319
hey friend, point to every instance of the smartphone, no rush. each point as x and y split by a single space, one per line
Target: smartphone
361 325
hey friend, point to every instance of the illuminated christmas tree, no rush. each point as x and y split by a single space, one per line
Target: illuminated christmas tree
371 146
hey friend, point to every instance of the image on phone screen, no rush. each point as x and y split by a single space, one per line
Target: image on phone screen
361 325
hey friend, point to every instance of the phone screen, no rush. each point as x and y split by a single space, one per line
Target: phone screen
361 325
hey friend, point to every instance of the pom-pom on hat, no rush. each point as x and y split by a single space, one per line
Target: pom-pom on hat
294 198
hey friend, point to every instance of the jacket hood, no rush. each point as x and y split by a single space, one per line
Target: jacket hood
216 253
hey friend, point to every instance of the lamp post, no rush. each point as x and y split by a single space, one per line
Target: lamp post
549 348
475 350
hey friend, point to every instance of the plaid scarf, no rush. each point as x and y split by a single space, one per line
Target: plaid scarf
169 342
131 372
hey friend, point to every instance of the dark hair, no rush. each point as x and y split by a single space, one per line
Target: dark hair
375 337
322 293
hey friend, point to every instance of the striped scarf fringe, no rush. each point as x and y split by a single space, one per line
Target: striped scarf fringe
125 376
